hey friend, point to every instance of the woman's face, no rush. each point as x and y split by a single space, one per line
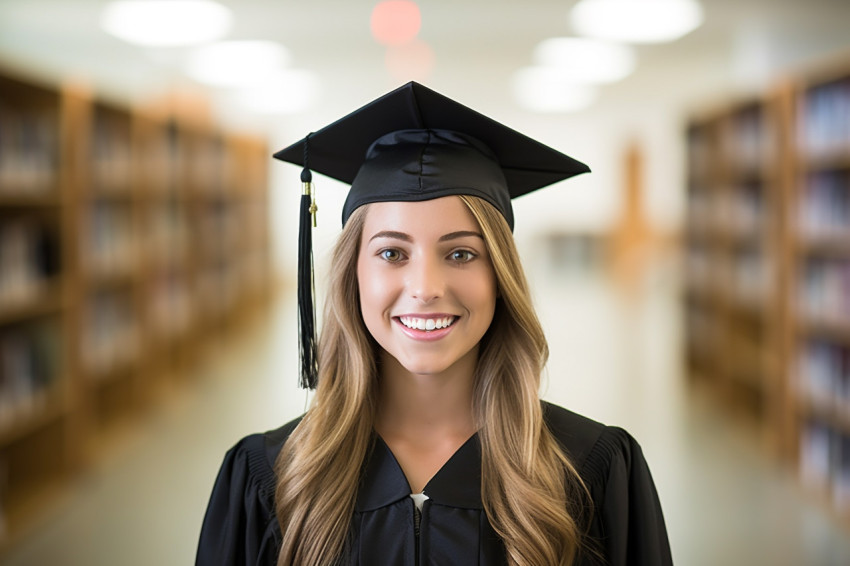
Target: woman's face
427 286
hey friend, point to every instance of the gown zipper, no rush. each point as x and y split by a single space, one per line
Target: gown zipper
417 520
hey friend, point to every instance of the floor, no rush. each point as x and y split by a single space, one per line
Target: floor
615 357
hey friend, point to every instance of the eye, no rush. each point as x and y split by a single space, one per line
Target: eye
462 256
390 254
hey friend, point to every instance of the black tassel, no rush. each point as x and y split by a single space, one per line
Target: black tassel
308 344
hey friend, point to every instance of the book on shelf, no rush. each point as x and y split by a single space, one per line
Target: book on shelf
170 309
110 333
703 330
824 290
825 462
111 162
29 259
824 116
747 210
824 208
166 231
29 362
824 376
816 454
738 210
28 151
746 141
752 276
109 239
206 164
157 160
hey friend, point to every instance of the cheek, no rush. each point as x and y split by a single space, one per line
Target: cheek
485 289
373 292
363 285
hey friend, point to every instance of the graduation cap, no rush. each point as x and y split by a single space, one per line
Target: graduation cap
413 144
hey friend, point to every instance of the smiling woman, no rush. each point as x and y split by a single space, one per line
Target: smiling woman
427 442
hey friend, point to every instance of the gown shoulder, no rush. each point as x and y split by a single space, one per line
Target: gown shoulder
240 525
627 524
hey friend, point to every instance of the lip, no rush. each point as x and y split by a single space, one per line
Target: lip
426 335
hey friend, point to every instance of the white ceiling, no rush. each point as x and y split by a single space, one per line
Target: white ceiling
743 46
478 45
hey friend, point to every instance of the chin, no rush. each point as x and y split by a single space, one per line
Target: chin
438 364
433 362
420 368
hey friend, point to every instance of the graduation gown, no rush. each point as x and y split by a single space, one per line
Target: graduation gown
240 526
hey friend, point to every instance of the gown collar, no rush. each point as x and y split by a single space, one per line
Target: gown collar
456 484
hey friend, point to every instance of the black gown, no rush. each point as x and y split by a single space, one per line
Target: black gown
627 528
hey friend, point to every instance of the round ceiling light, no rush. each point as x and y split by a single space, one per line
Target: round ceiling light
166 23
636 21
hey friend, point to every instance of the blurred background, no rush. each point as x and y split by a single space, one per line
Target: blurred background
695 288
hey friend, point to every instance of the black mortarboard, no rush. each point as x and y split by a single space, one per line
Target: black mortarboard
415 144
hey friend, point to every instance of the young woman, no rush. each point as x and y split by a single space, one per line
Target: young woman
426 442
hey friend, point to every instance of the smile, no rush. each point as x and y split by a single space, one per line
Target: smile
427 324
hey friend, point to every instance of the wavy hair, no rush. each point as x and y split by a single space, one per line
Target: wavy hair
533 497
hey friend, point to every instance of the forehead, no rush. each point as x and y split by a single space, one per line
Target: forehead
435 216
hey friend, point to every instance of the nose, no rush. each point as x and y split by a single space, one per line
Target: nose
426 281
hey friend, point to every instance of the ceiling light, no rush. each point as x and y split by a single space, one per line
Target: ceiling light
290 91
544 89
636 21
395 22
166 23
586 60
237 63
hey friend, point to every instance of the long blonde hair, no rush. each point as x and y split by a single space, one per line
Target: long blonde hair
531 492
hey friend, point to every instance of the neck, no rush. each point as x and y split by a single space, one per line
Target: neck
426 406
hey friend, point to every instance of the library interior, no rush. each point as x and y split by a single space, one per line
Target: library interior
694 288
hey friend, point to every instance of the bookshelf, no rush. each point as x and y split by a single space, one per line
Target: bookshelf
731 257
820 261
129 239
701 253
37 374
767 260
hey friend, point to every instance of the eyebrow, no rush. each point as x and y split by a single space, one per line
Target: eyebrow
391 234
460 234
444 238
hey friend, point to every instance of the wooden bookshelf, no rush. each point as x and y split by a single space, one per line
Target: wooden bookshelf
36 403
731 257
125 242
767 300
820 299
110 276
702 251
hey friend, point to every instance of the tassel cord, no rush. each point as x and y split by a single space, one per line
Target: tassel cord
308 347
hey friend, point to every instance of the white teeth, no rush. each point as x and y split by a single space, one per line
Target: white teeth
427 324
